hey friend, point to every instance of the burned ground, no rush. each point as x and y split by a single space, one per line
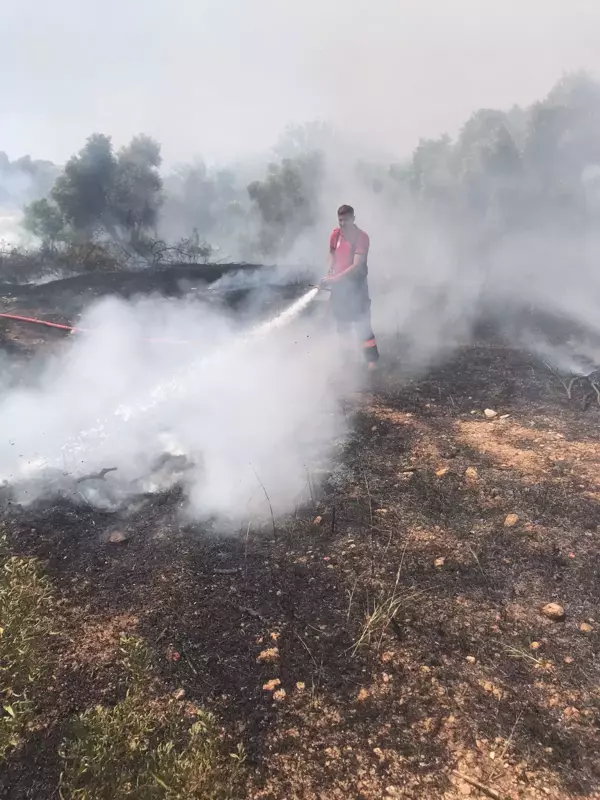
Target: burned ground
387 640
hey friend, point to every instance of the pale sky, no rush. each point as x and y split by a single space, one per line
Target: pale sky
221 78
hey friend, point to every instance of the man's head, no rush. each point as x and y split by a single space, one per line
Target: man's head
345 216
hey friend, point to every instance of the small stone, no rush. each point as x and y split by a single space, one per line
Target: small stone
443 471
271 685
317 520
269 655
471 659
471 473
439 562
571 711
511 520
586 628
179 694
117 537
489 413
374 428
363 695
554 612
569 660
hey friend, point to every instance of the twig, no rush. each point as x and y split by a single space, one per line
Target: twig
307 648
191 666
474 554
246 551
310 488
99 475
268 501
568 387
371 544
507 745
333 519
482 787
351 598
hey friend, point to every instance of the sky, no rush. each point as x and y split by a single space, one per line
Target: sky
220 79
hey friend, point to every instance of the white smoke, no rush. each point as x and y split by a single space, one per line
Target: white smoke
252 412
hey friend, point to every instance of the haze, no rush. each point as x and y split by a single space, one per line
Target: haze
221 78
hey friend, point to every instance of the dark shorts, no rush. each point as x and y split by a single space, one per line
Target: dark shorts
351 308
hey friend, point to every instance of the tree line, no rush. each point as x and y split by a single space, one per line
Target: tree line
505 171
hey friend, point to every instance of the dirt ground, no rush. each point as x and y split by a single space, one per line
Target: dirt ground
388 641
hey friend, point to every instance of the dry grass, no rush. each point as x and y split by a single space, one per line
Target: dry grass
25 605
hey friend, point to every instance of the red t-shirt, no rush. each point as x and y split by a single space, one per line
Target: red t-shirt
345 245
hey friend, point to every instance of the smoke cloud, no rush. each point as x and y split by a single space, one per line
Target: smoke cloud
235 415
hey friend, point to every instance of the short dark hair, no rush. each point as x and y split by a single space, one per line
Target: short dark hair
343 210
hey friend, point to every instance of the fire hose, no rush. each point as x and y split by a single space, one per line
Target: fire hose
74 329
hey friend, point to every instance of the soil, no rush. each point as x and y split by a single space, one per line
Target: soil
395 647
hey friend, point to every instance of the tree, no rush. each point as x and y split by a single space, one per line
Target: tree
135 196
83 192
45 220
100 194
286 201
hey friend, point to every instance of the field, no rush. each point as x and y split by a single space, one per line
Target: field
389 639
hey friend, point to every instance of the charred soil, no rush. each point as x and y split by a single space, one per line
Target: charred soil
395 647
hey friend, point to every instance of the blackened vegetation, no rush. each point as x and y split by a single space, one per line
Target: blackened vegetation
408 634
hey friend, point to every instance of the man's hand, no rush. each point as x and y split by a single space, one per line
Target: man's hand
330 280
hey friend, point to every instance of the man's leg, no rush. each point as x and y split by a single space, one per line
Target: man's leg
367 339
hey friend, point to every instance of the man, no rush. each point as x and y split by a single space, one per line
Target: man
347 282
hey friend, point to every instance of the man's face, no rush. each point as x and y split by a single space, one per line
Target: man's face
346 220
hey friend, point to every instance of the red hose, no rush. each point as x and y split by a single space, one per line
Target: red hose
42 322
72 329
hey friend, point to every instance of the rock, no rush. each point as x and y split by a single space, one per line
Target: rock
317 520
586 628
471 474
269 655
117 537
489 413
439 562
271 685
554 612
511 520
471 659
443 471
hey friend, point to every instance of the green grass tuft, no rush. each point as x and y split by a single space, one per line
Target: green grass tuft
146 747
25 624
